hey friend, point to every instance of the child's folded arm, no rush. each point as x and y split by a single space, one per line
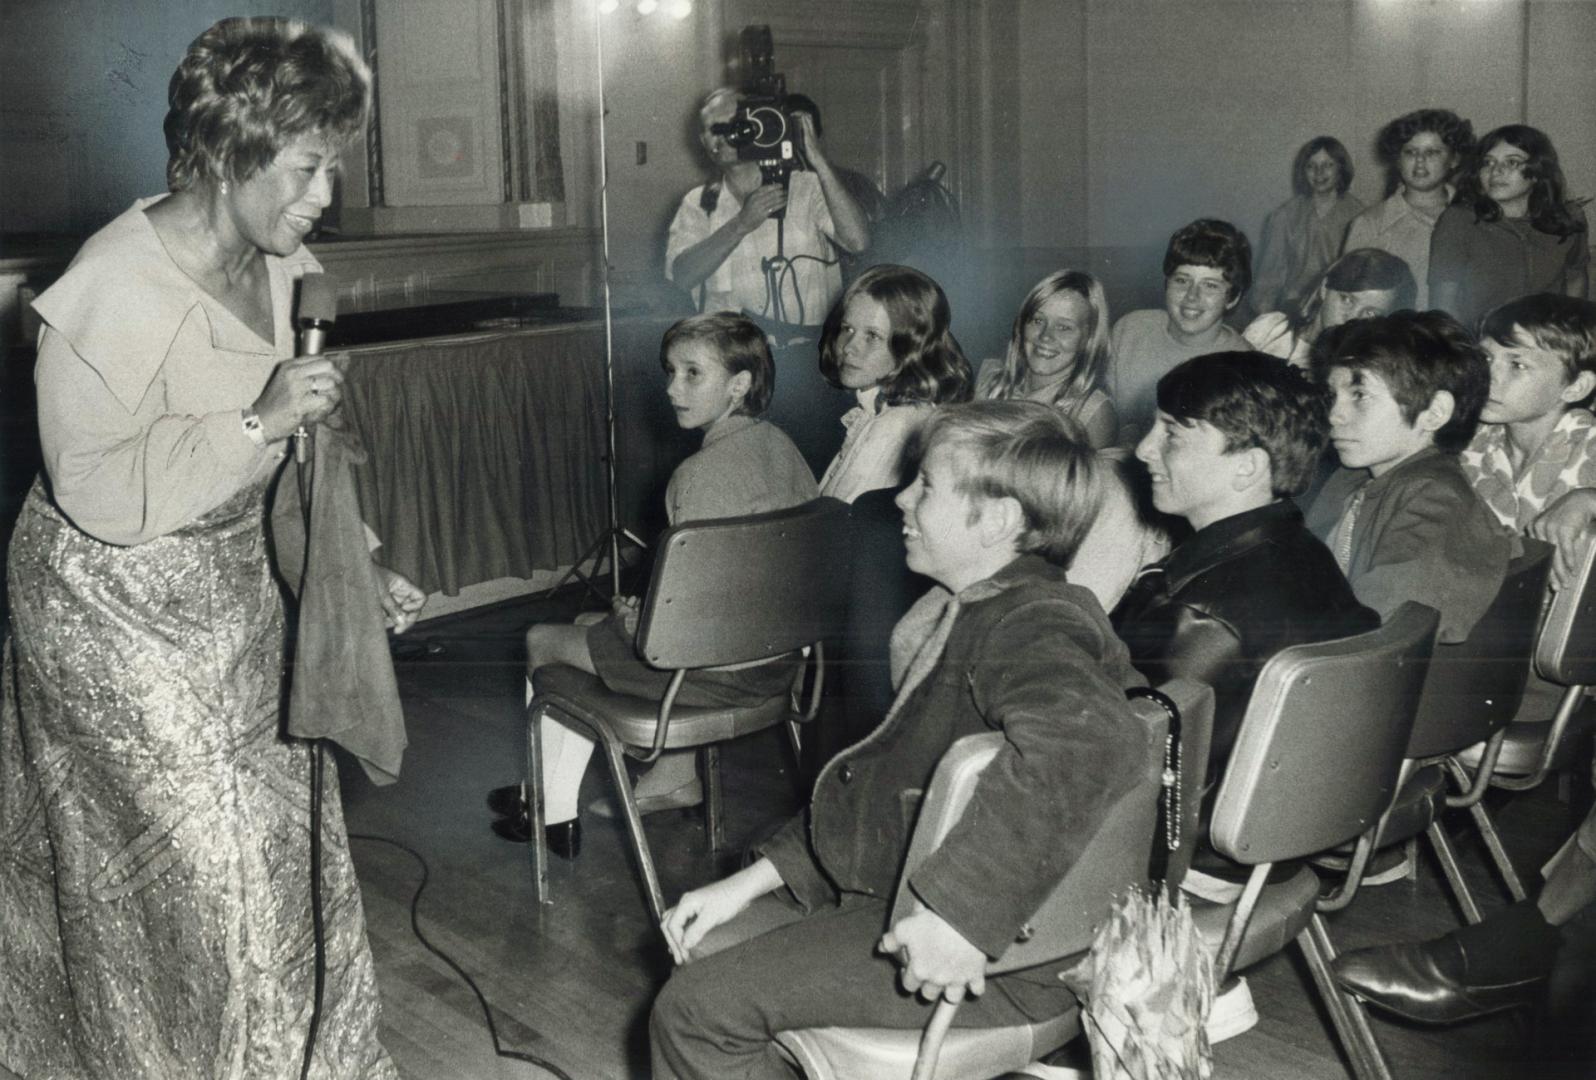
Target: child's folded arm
1072 748
1566 525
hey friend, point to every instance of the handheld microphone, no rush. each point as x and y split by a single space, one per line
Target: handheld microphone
318 310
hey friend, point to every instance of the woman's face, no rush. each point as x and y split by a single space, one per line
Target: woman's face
1053 336
1340 307
1321 172
278 206
864 355
1425 162
1502 177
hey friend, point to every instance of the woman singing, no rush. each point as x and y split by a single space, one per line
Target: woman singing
153 820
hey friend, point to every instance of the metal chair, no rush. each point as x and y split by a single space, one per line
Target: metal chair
722 592
1471 693
1116 859
1520 756
1316 763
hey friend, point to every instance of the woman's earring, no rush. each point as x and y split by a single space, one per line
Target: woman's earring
224 187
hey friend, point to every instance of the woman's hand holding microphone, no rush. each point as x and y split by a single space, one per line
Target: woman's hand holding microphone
300 392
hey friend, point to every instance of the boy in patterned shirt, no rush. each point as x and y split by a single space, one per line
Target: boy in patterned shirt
1533 460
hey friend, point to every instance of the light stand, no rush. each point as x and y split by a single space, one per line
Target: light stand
608 542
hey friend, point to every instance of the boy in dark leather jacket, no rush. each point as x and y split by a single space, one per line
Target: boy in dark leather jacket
1236 436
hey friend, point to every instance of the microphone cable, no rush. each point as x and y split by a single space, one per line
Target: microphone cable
415 927
317 925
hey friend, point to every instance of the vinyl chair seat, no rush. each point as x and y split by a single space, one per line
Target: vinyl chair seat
1417 805
633 719
1524 743
887 1054
1283 911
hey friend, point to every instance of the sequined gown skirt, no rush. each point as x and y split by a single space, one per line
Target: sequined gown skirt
154 824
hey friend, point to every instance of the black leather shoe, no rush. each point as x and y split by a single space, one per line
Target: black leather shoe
1429 983
564 838
506 801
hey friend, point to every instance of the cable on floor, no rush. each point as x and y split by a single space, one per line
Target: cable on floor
415 926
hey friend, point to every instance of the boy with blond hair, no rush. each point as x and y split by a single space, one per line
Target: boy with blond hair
1005 643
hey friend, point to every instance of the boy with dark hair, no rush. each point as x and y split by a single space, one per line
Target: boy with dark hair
1400 516
1002 498
1237 435
1207 270
1420 150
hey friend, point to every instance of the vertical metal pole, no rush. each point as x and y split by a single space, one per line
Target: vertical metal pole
614 522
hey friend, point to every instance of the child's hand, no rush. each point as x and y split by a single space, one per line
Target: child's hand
935 960
627 608
700 911
1566 525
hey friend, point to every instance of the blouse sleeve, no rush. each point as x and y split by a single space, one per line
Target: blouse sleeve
118 475
874 459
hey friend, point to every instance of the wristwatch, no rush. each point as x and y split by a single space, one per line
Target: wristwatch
252 428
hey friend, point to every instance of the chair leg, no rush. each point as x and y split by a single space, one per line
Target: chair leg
714 814
534 804
616 756
1499 856
1346 1012
1447 857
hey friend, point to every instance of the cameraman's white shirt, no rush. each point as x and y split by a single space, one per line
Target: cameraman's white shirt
808 285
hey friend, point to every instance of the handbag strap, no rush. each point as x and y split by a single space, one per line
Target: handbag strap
1170 805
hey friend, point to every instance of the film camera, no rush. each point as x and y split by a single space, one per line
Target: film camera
763 130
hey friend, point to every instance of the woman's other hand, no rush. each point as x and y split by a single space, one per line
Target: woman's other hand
401 600
301 391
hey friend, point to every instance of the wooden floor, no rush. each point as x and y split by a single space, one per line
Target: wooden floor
572 982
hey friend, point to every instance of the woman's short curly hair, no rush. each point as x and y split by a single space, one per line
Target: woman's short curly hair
248 86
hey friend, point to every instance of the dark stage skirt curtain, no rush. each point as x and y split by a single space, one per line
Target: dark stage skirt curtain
485 452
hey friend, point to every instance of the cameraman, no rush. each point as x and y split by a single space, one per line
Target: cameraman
723 245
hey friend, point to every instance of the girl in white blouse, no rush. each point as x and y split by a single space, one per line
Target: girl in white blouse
888 341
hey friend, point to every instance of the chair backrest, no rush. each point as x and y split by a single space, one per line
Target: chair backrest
1475 686
1319 749
1114 859
1566 650
737 589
